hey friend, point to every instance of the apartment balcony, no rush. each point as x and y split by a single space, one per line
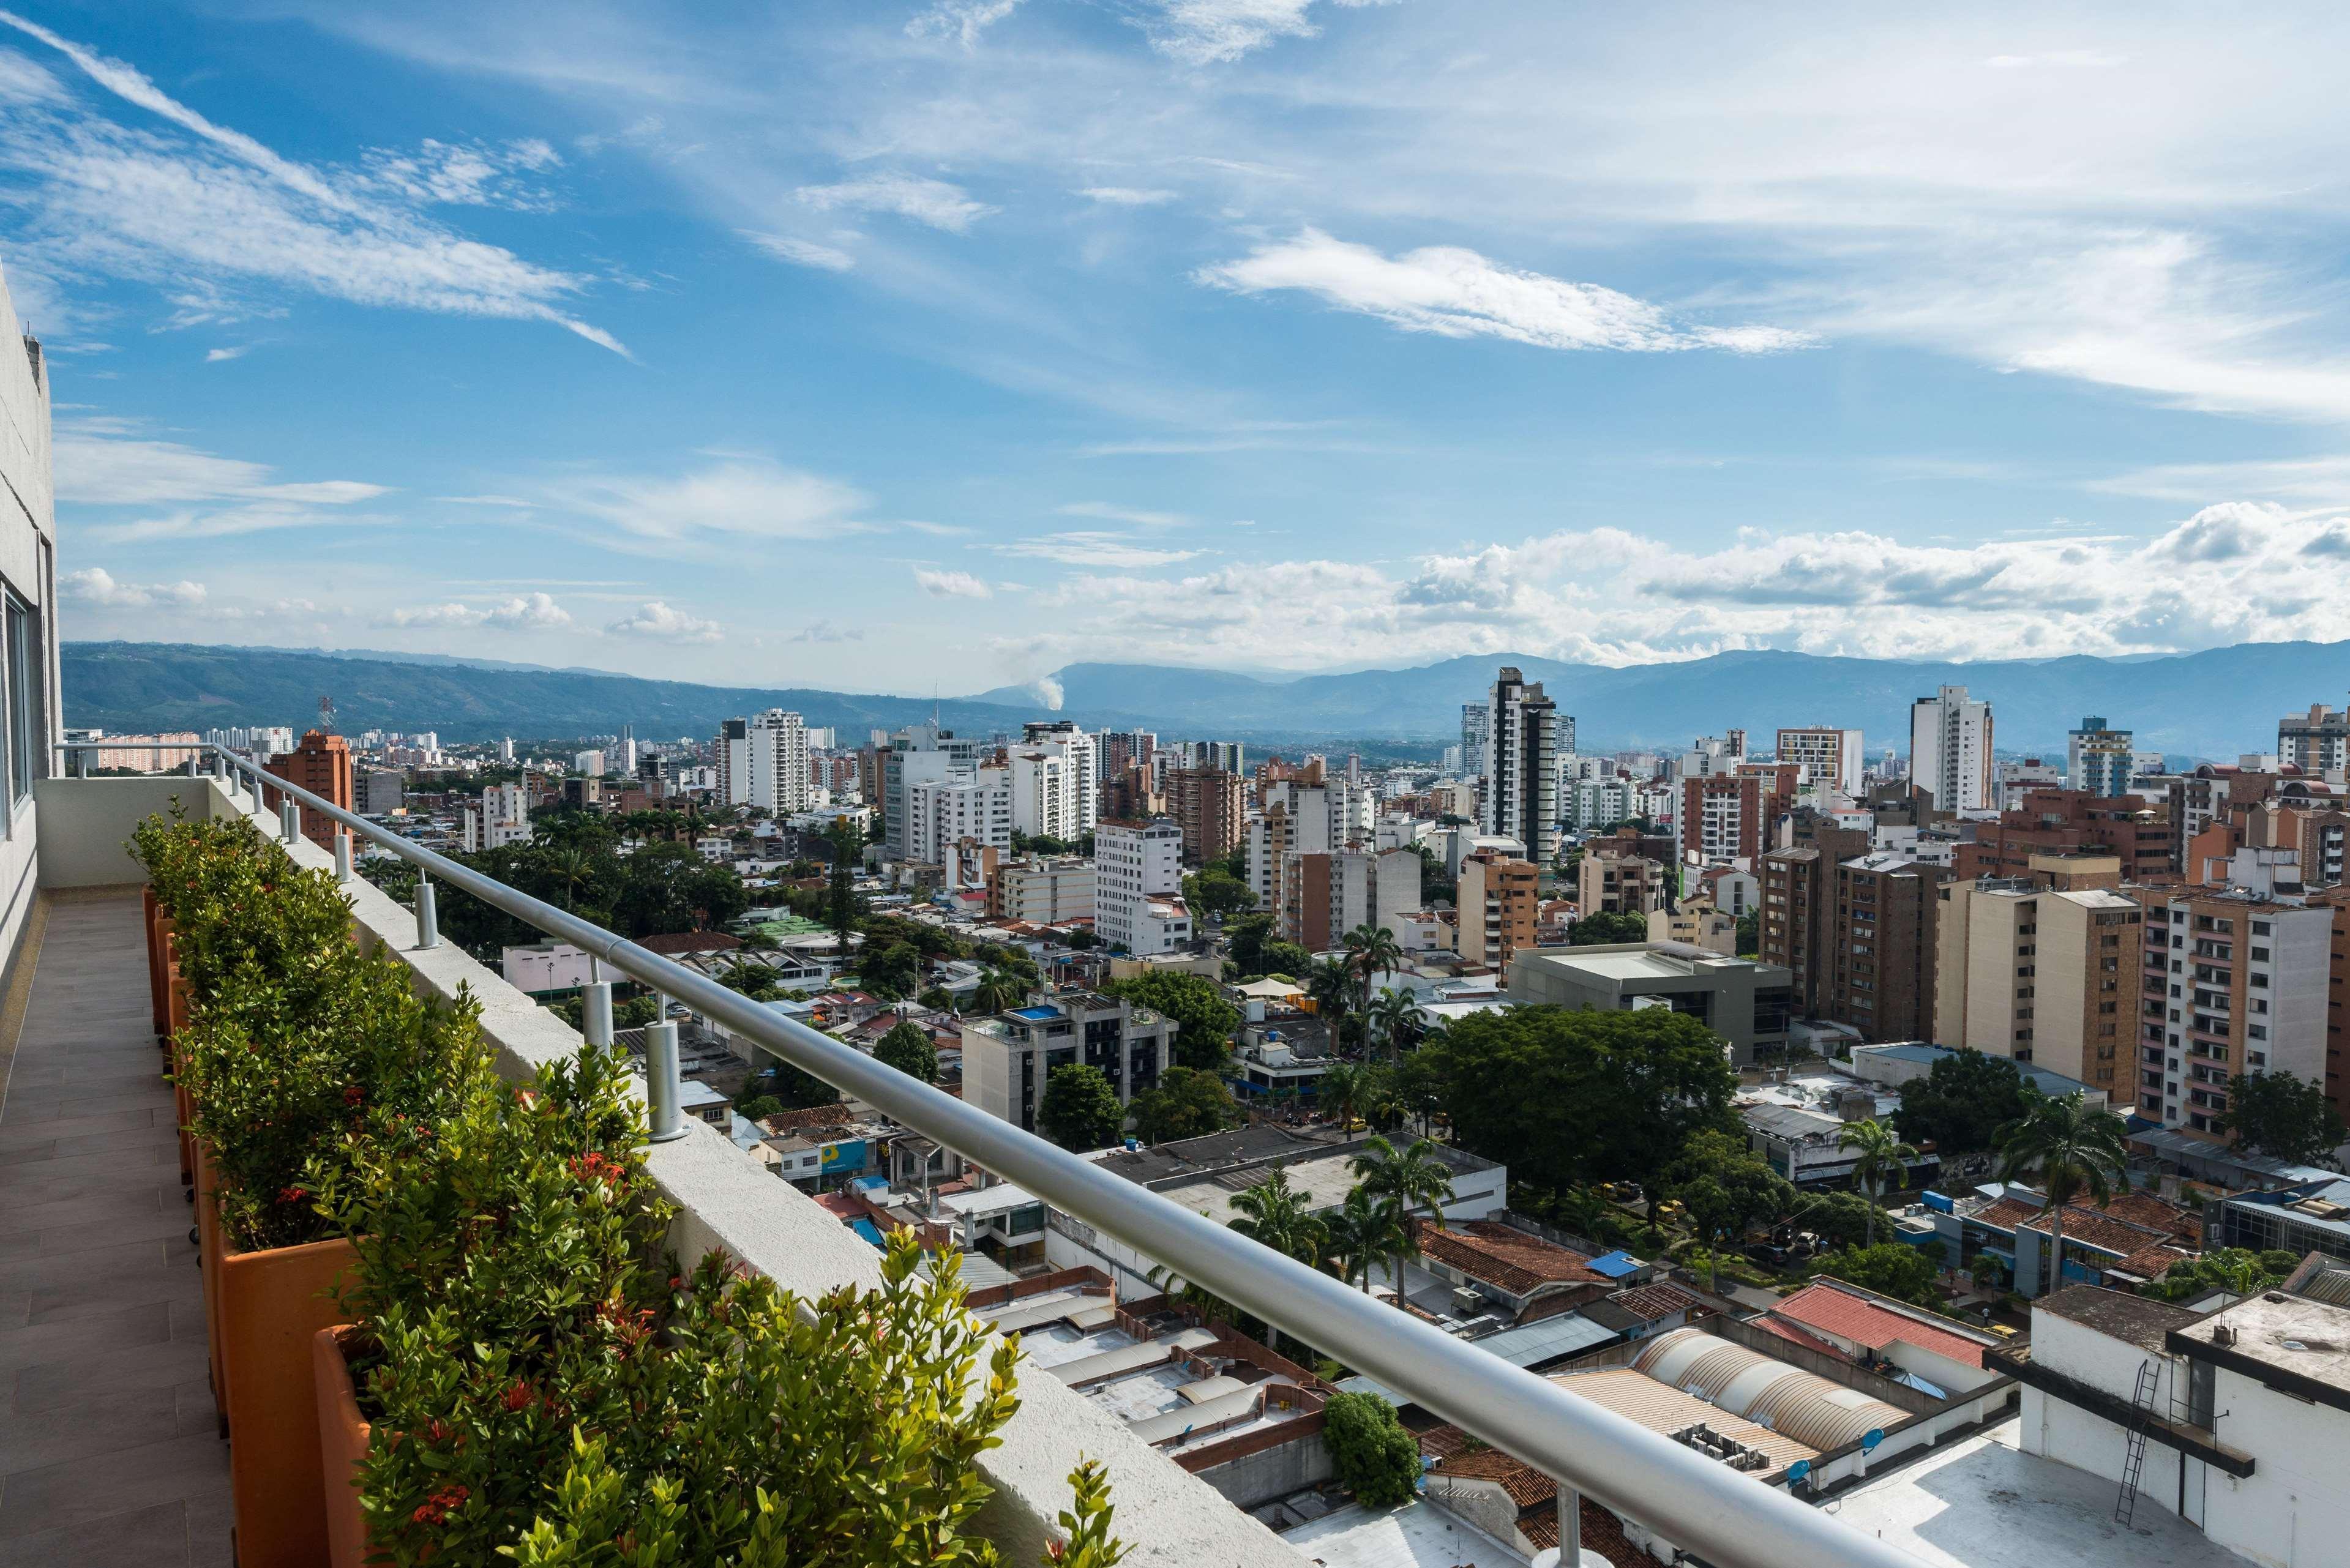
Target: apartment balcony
110 1452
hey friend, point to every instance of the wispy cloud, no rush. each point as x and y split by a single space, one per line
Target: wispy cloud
963 20
1204 32
727 501
219 208
941 585
1456 293
528 612
658 622
219 356
932 201
1125 196
470 174
802 253
1082 549
1109 513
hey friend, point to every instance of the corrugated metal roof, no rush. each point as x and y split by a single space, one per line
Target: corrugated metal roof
1742 1382
1661 1408
1546 1339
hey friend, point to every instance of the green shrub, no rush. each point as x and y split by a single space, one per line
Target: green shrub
1376 1459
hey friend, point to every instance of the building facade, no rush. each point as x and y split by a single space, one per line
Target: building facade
1138 886
2317 742
2033 974
778 758
1044 890
2233 983
2098 759
1500 907
1950 749
1211 806
1825 756
321 765
1521 765
1009 1059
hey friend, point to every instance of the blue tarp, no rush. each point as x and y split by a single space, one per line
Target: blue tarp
1614 1265
867 1229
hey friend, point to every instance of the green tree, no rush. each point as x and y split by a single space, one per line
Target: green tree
1340 1091
1215 891
1205 1020
1274 1214
1376 1458
1331 984
1566 1098
1599 929
668 887
847 854
1415 1179
1188 1103
1586 1213
908 1048
937 999
1838 1219
1890 1268
798 1090
2282 1116
1396 1017
1245 940
1878 1156
758 1107
1371 951
2071 1150
1433 882
1750 933
1080 1110
996 990
1726 1189
1289 958
1358 1234
892 971
2234 1269
1961 1102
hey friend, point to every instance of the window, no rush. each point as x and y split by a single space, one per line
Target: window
26 724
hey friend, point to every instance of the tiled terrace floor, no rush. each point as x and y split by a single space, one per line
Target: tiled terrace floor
109 1452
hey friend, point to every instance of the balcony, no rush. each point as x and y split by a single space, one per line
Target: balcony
131 1458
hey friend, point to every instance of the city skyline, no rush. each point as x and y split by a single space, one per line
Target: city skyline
1609 339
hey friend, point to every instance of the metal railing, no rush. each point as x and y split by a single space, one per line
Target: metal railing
1697 1503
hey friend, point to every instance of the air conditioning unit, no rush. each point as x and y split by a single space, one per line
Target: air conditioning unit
1466 1301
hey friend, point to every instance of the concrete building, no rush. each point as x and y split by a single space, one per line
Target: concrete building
1043 890
1825 756
2014 780
1211 806
379 790
28 631
2233 983
1077 755
2041 822
1043 793
779 763
1611 880
1500 907
1595 803
1695 924
1882 981
731 750
1009 1058
1746 1002
2041 976
1727 819
2231 1421
1950 749
976 806
1323 896
501 817
2317 742
589 764
1301 817
2098 760
1476 730
321 765
1521 765
1138 886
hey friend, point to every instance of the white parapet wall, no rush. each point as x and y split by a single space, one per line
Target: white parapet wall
1168 1518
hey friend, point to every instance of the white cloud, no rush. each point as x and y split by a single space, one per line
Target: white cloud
1110 512
182 491
733 498
1457 293
96 586
932 201
217 356
951 585
1200 32
658 622
472 174
528 612
1085 549
962 20
826 631
216 206
1125 196
801 252
2236 572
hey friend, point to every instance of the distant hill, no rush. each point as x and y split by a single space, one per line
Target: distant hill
146 686
2215 703
2211 704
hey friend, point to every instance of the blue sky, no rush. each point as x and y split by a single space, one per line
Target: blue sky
907 342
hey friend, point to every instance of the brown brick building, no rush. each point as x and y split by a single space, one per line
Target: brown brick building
1210 806
2070 822
1855 930
321 765
1797 927
1499 906
1729 816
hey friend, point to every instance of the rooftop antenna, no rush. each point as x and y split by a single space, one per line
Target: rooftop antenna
327 715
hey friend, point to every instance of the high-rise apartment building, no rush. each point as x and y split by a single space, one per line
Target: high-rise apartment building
1043 795
1138 886
1950 749
1562 735
2233 983
2317 742
778 749
321 765
1077 752
2100 760
1116 750
2041 974
732 752
1043 890
1500 907
1612 878
1797 927
588 764
1210 806
1521 767
501 817
1882 981
941 813
2071 822
1476 733
1324 895
1302 818
506 751
380 791
1727 819
1825 756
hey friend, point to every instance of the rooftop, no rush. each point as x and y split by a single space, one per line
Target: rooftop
2295 1344
1509 1260
2139 1320
1866 1318
1418 1535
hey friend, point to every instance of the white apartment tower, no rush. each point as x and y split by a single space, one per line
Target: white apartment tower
1949 749
1081 765
732 751
1138 886
1827 756
1521 767
1046 794
777 743
2317 742
501 818
2099 759
941 813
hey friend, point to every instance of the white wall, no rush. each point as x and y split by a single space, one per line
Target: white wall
27 563
2293 1509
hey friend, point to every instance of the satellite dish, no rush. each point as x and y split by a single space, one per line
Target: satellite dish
1798 1471
1870 1438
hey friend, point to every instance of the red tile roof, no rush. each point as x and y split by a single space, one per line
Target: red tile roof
1509 1260
1658 1301
1770 1323
1857 1318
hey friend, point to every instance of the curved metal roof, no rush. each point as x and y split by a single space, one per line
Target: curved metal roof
1802 1405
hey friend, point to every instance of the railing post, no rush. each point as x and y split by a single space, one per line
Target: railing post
595 1011
660 1080
342 854
289 820
427 914
1570 1525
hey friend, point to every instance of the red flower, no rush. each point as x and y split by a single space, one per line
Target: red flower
292 1194
353 1095
519 1397
430 1513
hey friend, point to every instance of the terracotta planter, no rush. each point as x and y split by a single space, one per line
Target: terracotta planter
269 1306
208 1257
183 1107
342 1444
152 913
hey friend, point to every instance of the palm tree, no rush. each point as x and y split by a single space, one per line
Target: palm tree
1415 1178
1584 1213
1329 982
1360 1233
1880 1153
2072 1149
1371 949
997 990
1273 1213
1391 1015
1340 1091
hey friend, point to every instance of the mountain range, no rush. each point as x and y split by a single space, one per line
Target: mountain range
2214 703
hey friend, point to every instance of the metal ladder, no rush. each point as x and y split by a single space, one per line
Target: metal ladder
2134 1436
